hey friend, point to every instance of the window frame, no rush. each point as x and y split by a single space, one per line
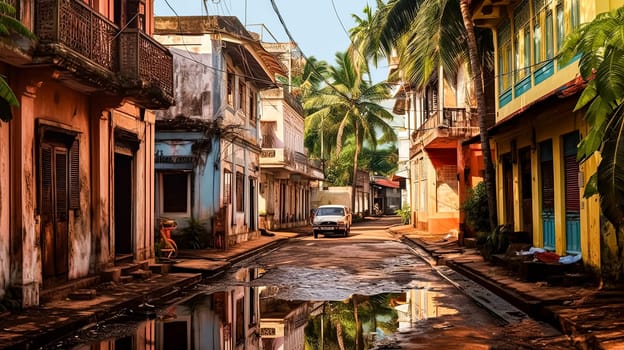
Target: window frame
227 186
161 196
240 192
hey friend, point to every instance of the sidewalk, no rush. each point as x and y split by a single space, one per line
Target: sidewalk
593 318
37 326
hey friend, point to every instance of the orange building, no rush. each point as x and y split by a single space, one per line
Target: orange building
76 160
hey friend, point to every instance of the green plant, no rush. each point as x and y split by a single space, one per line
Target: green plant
194 234
495 242
475 209
405 214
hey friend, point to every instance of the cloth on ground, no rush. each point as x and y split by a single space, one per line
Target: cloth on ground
531 251
547 257
570 259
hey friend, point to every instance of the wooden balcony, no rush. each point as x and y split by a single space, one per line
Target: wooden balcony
92 55
76 32
148 65
442 130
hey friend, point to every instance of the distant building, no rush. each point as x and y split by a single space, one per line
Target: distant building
208 144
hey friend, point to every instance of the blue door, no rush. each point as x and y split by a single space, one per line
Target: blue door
572 193
547 194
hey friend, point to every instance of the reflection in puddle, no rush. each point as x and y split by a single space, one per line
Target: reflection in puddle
244 317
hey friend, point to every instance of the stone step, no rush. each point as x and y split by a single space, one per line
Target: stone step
161 269
62 291
112 274
141 274
83 294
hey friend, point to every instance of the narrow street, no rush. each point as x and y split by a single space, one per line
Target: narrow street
402 302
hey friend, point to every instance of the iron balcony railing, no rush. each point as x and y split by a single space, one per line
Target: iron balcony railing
73 29
457 120
78 27
145 59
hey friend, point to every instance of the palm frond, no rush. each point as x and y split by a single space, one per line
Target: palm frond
610 183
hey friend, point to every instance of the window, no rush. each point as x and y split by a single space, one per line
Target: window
175 196
240 186
230 88
504 58
268 133
522 40
227 187
242 96
575 16
550 50
253 107
560 26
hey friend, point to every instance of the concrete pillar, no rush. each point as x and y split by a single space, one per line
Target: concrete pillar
24 228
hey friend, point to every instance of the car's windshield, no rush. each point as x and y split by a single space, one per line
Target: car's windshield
329 211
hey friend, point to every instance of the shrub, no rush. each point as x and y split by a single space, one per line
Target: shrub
495 242
194 234
475 209
405 213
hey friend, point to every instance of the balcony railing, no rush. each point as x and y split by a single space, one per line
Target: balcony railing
79 28
456 120
145 59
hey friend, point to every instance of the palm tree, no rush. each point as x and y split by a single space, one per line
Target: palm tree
426 34
352 106
9 26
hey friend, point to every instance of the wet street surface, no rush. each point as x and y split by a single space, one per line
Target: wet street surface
365 291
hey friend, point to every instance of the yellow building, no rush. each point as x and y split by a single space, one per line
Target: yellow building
540 184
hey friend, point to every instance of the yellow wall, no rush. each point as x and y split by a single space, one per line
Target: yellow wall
550 123
562 75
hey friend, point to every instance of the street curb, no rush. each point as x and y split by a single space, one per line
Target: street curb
250 253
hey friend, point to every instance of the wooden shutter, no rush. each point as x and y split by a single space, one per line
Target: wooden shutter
548 181
74 176
571 166
61 183
46 206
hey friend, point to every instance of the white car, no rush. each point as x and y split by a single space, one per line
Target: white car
332 218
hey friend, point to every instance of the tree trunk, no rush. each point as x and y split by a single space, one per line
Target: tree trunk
339 335
475 64
358 146
359 336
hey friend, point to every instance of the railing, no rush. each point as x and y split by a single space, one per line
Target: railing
272 155
79 28
457 120
145 59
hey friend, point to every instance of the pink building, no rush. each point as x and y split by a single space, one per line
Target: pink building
76 160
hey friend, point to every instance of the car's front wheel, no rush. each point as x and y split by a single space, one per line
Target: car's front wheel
315 233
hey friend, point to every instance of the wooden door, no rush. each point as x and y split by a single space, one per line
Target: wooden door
54 208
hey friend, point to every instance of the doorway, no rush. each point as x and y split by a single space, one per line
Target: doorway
123 205
526 191
54 208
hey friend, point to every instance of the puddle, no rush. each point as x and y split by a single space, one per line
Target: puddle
253 317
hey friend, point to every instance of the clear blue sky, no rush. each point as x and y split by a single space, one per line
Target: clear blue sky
316 26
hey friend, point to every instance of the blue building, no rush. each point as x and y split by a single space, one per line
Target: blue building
207 145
